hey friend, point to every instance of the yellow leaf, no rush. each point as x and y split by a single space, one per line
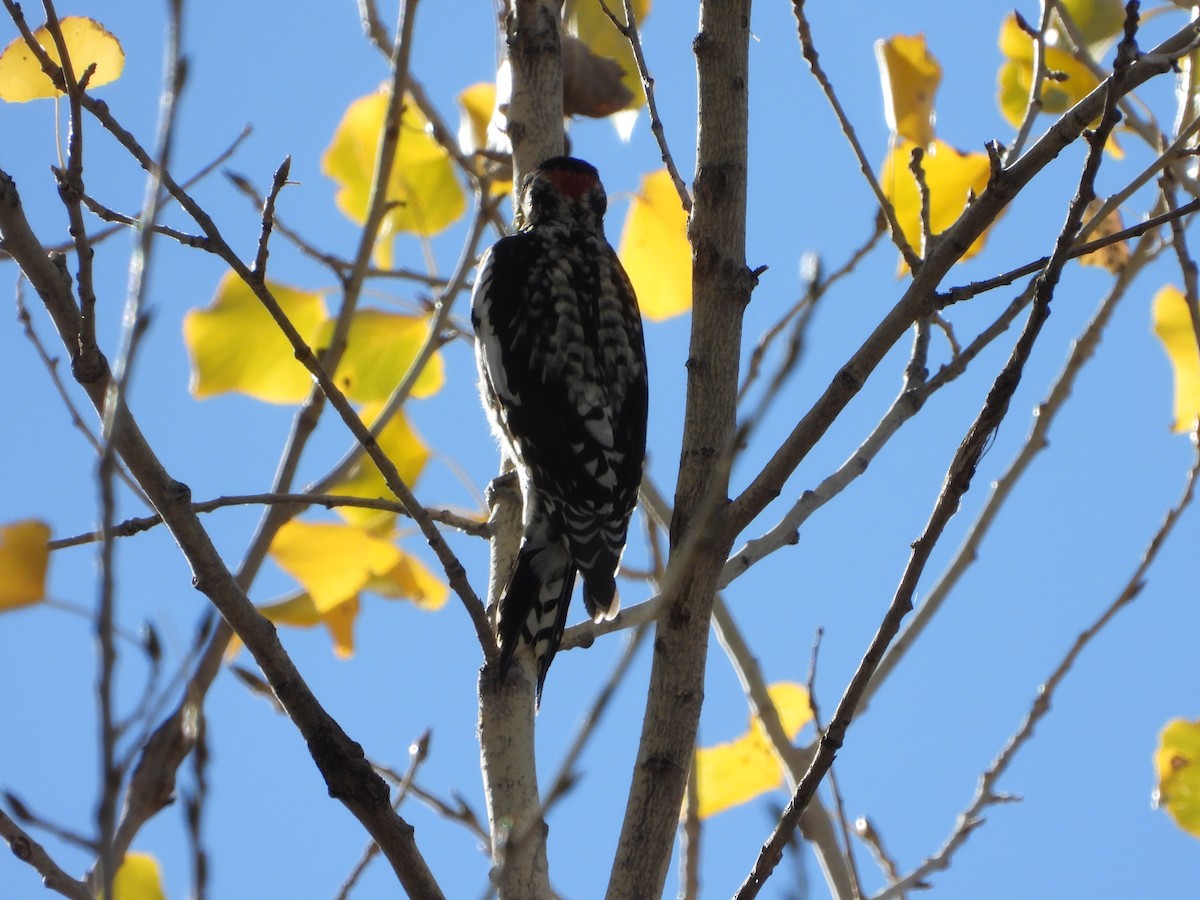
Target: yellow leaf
911 76
24 559
1114 257
422 186
404 447
731 774
88 42
952 177
1173 325
587 21
1177 763
478 103
1097 20
299 611
380 346
655 249
1072 82
138 878
410 580
235 345
331 560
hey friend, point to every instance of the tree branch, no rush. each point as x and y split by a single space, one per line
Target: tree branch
986 794
348 775
920 299
721 286
958 477
29 851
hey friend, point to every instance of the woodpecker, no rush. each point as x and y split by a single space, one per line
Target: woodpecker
562 366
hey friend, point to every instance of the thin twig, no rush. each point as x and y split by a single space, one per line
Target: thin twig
913 395
629 29
691 832
122 220
920 297
29 851
986 794
958 481
1037 79
373 28
810 683
111 215
115 418
1176 152
815 287
885 205
268 218
567 777
51 365
193 806
967 291
339 266
1082 350
432 341
70 179
466 524
869 835
418 752
816 825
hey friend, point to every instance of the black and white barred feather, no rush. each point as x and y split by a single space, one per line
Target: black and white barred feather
563 375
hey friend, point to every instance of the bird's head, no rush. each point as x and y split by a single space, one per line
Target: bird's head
564 191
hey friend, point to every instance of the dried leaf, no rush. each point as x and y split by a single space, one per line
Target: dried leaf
24 561
587 20
1114 257
593 85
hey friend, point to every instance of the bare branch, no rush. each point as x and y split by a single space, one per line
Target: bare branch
1082 350
340 760
418 750
958 478
466 524
808 48
29 851
629 28
1037 79
920 299
721 288
986 794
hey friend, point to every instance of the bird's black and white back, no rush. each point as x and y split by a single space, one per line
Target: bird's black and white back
563 375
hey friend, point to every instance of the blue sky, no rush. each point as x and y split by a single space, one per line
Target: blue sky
1066 543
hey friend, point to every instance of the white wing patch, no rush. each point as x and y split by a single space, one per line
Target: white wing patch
488 345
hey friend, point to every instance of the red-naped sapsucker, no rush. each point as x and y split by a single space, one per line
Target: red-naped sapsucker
563 376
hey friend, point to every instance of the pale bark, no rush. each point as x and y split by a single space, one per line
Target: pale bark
506 707
721 288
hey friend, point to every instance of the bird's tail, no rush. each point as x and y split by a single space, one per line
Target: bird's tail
597 552
533 608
